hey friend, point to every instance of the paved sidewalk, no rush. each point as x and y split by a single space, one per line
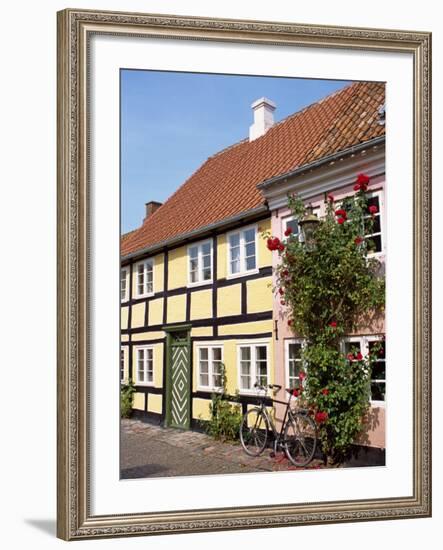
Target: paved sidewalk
152 451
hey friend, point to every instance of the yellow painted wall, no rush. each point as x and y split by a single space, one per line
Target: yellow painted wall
154 403
200 409
222 258
177 308
178 267
259 295
155 312
159 266
124 317
264 255
154 335
124 337
139 401
229 300
138 315
202 331
256 327
201 304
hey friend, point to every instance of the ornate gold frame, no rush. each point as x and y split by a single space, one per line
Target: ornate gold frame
74 518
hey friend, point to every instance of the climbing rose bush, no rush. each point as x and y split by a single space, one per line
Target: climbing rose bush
327 290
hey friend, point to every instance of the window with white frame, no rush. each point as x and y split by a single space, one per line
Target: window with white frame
373 230
366 345
124 287
290 223
200 262
144 365
242 254
144 278
122 364
210 359
253 366
294 363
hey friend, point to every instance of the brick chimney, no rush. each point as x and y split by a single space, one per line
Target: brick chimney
263 109
151 207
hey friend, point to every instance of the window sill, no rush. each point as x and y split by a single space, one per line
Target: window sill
200 283
145 384
149 295
208 389
242 274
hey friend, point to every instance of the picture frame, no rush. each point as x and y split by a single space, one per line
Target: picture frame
75 517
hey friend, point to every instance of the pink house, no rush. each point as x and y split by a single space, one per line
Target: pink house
334 174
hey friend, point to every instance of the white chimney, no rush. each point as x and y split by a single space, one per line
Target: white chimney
263 117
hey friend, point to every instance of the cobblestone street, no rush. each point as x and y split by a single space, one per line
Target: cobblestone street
152 451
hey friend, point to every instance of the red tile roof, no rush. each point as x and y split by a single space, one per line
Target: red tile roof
226 184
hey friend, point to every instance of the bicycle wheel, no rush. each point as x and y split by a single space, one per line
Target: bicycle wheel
300 439
254 432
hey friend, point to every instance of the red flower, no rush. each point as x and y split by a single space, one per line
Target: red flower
273 243
340 220
331 198
281 247
290 323
363 180
281 291
357 187
340 212
285 273
282 302
358 240
288 231
301 376
359 356
295 392
325 391
373 209
321 416
333 324
350 356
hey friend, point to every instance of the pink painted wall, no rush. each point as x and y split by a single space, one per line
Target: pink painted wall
374 428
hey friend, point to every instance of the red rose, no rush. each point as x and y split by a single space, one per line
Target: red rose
285 273
331 198
340 212
358 240
281 247
373 209
290 323
273 243
359 356
363 179
333 324
325 391
288 231
281 291
350 356
321 416
282 302
295 392
340 220
357 187
301 376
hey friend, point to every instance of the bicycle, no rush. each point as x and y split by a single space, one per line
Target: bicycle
297 436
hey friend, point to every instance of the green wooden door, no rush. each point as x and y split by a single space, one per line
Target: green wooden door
179 386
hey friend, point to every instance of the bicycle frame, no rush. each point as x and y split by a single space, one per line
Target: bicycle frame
288 414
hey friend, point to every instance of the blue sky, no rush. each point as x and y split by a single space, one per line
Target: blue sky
172 122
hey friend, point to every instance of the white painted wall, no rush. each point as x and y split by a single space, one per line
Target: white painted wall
28 244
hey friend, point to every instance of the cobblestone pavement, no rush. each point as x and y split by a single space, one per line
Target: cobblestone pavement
147 450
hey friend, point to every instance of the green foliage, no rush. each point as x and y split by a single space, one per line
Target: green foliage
328 290
226 417
127 399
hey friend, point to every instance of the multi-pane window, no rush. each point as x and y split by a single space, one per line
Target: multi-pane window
292 224
200 262
242 251
122 365
369 345
294 363
253 362
145 365
210 366
373 227
124 287
144 278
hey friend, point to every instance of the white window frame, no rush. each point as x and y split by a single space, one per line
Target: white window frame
137 380
242 271
380 195
209 346
253 344
149 261
289 341
201 281
284 226
364 350
124 351
126 277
